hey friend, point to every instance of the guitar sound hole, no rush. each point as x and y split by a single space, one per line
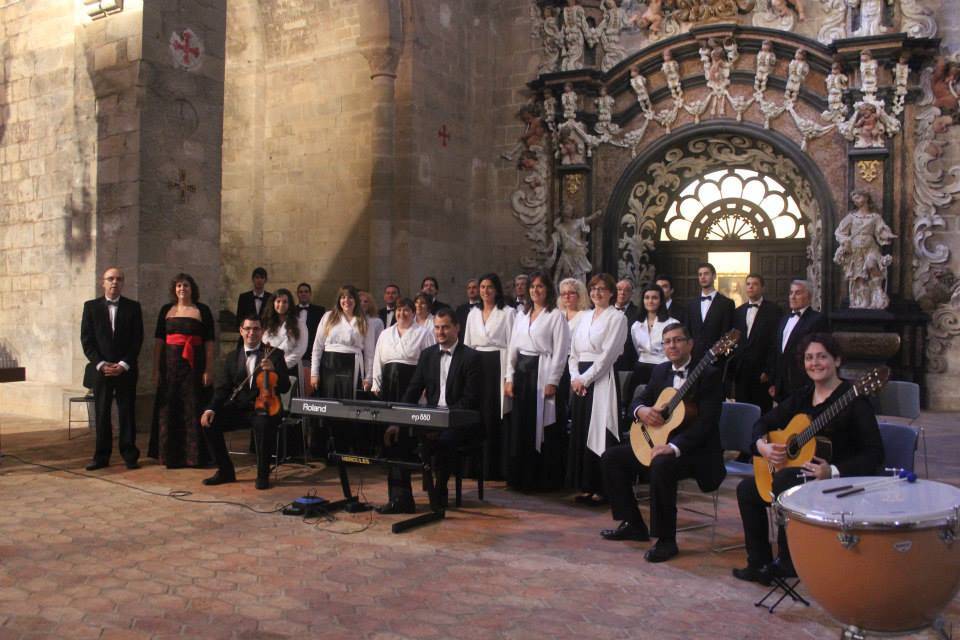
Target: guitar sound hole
665 412
792 449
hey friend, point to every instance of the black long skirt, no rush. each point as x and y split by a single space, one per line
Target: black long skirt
583 465
529 468
396 379
494 433
337 381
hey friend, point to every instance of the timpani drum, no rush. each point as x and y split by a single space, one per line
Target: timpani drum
886 559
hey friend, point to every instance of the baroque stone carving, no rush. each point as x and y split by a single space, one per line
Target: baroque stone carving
917 21
608 32
697 11
652 195
547 30
861 235
576 30
837 84
569 244
765 64
833 25
778 14
871 18
570 102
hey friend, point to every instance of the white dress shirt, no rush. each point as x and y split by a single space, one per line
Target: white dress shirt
705 304
752 314
445 361
649 342
344 337
405 349
792 321
293 348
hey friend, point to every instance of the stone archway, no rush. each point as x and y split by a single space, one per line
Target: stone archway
651 182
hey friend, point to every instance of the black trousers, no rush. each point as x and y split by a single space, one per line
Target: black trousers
440 452
753 513
264 429
123 388
620 469
748 388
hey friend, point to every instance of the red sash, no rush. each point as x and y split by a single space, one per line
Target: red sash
188 342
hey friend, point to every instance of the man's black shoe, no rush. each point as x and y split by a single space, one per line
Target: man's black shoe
627 531
262 483
661 551
397 506
752 574
219 478
133 465
93 466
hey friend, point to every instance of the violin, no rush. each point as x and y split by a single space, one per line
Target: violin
267 402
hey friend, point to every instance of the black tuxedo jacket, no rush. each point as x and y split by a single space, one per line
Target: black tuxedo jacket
462 312
749 360
436 305
707 331
247 307
383 317
464 379
678 312
701 436
628 359
234 372
314 315
103 344
783 366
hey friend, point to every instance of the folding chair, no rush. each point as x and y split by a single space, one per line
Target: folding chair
736 432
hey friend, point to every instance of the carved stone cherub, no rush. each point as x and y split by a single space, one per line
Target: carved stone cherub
860 237
639 85
766 63
946 77
837 83
570 102
868 74
604 103
868 127
796 73
671 70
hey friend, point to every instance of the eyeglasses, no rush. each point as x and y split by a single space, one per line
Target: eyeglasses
669 341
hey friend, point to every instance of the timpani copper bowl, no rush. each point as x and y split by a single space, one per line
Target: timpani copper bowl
885 559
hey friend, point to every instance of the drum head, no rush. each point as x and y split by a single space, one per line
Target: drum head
923 503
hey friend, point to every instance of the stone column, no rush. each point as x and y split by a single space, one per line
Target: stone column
381 45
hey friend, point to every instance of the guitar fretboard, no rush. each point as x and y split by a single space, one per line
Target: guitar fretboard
827 416
708 359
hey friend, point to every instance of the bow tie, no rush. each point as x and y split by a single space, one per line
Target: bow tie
796 313
252 352
113 303
304 306
705 298
444 352
258 297
680 373
751 305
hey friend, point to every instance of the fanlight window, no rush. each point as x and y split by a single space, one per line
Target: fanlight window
733 204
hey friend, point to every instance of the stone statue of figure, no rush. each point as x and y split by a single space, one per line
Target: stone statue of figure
552 41
652 18
570 237
549 110
571 148
837 82
609 31
604 103
576 30
671 70
639 85
868 127
860 236
871 18
532 135
901 77
868 74
945 84
796 73
766 63
569 101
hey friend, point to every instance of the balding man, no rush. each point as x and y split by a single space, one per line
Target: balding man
784 368
111 333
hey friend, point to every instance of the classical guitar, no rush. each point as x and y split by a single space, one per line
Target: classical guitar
671 403
800 434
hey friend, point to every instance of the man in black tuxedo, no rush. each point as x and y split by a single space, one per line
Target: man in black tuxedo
430 287
449 374
254 302
232 407
693 451
521 283
624 303
674 309
757 321
783 365
111 332
473 300
388 313
311 314
709 315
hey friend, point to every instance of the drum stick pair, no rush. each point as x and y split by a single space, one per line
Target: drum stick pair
849 489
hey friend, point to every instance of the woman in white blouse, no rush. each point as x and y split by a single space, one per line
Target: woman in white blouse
422 315
647 336
573 301
285 331
488 330
595 345
538 357
397 352
374 323
342 356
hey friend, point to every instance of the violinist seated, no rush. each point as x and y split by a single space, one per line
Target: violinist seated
247 397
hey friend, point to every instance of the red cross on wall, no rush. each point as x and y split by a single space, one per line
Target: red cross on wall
444 135
184 47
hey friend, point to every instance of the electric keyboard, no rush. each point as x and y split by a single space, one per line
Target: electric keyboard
385 412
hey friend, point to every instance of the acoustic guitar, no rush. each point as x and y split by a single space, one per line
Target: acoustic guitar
800 434
671 403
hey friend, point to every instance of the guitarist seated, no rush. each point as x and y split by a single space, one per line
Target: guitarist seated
693 450
854 437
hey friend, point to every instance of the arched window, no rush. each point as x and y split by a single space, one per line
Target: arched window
733 204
